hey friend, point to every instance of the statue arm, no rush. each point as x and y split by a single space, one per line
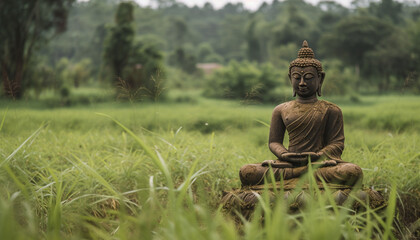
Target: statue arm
334 135
277 130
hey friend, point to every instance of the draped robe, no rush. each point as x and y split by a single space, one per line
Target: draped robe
315 126
312 127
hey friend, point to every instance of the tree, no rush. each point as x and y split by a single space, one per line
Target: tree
183 59
205 53
331 15
414 36
232 37
208 7
178 31
95 50
391 58
233 8
204 50
164 3
136 63
254 49
353 37
144 74
387 9
25 25
293 30
360 3
242 80
81 71
120 39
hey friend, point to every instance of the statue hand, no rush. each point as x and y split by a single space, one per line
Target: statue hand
321 155
314 156
288 156
329 163
294 157
276 164
267 162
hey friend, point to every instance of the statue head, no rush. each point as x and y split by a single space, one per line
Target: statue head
305 73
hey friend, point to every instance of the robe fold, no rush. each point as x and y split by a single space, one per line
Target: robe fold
312 127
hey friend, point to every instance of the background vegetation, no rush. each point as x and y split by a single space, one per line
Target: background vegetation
178 134
371 47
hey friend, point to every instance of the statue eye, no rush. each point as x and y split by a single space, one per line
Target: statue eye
309 76
296 76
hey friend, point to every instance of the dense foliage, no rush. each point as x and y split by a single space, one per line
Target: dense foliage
375 41
243 81
25 26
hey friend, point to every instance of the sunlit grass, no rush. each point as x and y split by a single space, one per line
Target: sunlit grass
158 171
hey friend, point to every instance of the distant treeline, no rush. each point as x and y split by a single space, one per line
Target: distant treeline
372 46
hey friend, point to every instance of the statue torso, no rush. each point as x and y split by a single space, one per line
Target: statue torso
306 125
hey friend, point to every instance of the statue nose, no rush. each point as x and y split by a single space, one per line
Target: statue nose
302 82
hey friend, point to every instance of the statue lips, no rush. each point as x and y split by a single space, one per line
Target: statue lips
303 91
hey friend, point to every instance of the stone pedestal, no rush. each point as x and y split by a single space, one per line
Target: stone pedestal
244 200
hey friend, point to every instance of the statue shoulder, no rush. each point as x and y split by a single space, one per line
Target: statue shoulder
331 107
283 106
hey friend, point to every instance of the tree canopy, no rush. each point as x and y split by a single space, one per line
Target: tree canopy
118 35
25 25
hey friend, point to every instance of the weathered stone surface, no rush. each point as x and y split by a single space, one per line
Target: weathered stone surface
315 128
243 201
316 142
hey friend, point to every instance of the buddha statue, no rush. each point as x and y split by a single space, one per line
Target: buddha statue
316 139
315 129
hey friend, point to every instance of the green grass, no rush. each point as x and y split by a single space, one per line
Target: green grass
73 173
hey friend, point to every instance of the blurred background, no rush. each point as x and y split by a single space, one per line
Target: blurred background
195 82
66 52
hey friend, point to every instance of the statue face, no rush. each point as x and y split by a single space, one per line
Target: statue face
306 81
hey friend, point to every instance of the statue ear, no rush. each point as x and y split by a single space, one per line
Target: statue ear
321 81
294 93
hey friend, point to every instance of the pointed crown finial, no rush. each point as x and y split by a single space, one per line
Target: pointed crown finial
306 51
306 58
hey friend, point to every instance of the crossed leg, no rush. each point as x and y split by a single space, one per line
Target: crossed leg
342 173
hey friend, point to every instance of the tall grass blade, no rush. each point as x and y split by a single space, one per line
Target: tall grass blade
211 143
54 209
263 123
186 184
390 211
156 157
33 135
272 179
16 180
95 174
4 118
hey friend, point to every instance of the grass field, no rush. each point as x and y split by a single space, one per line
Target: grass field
74 173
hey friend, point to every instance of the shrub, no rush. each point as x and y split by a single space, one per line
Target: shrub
242 80
338 79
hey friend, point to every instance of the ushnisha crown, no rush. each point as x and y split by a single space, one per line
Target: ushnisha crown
306 58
